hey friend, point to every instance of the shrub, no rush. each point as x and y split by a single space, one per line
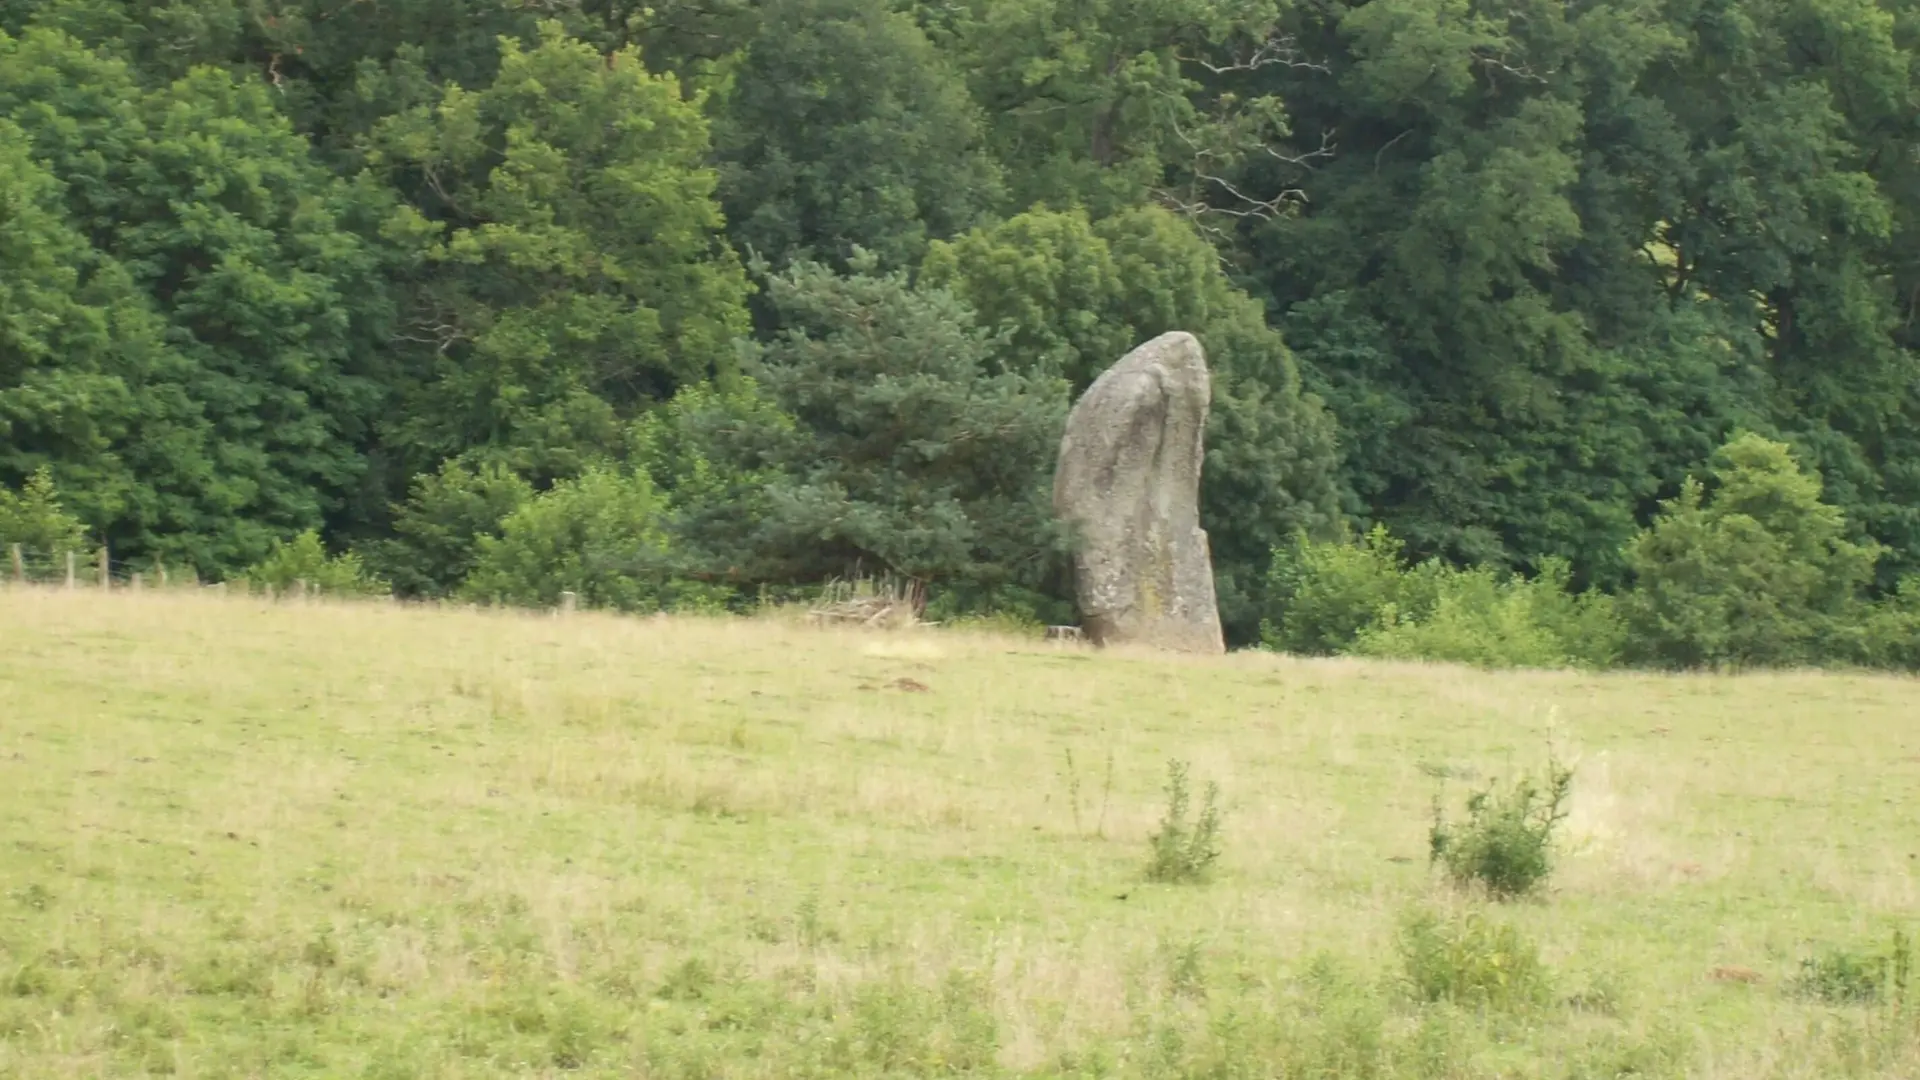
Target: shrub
600 537
1482 618
1756 572
33 518
437 531
1328 593
305 558
1470 959
1360 598
1891 636
1842 976
1181 851
1506 843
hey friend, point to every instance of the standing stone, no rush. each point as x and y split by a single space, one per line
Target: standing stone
1129 483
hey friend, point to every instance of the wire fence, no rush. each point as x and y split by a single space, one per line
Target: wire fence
96 568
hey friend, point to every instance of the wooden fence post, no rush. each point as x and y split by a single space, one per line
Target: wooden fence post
19 566
70 574
160 570
106 569
569 601
133 580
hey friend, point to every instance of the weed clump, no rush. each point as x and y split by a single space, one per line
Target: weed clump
1470 960
1183 851
1841 976
1506 843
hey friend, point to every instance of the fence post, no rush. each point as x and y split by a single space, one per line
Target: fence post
19 566
301 584
70 574
160 570
106 569
569 601
134 580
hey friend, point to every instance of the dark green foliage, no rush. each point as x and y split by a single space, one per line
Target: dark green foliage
846 128
908 453
1506 843
228 312
264 264
437 531
1186 846
1841 976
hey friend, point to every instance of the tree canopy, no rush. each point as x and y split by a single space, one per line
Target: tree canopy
783 288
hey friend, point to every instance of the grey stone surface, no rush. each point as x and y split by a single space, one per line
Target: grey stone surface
1129 483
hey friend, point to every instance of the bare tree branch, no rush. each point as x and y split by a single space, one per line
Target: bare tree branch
1497 63
1278 50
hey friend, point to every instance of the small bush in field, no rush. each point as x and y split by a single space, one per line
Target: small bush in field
305 558
1470 959
1183 850
1841 976
1506 843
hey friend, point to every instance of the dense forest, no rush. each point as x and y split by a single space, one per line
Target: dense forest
686 302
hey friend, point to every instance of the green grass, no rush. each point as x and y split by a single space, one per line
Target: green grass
240 839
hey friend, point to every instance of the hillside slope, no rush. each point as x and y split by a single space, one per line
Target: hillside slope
240 839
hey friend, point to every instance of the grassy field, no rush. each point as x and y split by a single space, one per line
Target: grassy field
241 839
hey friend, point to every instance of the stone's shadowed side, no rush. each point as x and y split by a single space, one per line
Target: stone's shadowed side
1129 484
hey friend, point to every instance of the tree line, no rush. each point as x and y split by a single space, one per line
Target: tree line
683 302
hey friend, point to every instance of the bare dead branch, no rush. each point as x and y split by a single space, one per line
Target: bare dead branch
1497 63
1278 50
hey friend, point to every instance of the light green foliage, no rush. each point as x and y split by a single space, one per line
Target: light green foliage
568 264
1505 845
1471 958
1892 628
1361 598
1185 847
303 562
436 532
1759 574
600 536
1327 593
1489 619
846 128
33 518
